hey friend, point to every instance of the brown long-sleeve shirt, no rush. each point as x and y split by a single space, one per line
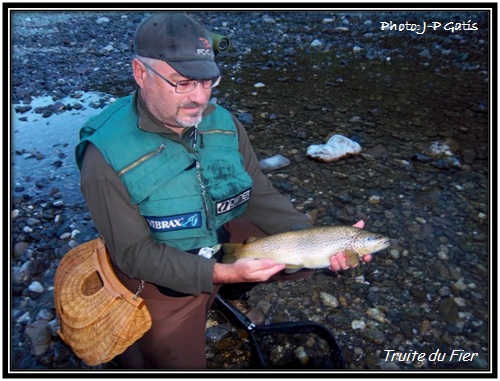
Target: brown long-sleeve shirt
127 233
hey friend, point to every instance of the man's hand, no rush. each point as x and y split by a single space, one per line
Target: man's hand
338 260
246 270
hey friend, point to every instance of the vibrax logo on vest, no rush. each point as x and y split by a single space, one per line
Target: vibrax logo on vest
177 222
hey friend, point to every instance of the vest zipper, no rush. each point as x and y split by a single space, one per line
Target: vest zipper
204 196
140 160
200 181
224 132
217 132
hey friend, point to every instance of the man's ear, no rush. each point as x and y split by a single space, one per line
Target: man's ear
139 72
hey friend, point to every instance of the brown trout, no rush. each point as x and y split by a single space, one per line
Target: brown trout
309 248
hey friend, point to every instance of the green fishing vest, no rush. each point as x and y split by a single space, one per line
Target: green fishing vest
184 196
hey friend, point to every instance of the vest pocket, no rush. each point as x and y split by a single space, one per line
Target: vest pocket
141 160
152 174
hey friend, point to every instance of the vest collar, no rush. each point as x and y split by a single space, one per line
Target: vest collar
147 122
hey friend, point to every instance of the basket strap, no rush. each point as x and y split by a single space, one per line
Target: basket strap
111 283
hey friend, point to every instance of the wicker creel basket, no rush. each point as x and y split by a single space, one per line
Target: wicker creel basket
99 317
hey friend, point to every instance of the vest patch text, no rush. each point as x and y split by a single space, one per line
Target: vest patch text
233 202
177 222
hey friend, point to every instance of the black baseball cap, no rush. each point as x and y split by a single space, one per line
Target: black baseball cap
180 41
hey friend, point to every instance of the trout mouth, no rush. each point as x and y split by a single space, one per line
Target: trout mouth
377 243
383 244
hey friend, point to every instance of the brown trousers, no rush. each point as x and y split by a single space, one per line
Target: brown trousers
176 339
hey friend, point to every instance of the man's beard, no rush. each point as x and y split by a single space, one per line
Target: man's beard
183 124
189 124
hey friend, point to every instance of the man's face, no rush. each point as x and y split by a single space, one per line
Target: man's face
172 109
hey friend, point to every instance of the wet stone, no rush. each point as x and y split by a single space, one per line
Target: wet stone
373 335
39 336
23 109
448 309
20 248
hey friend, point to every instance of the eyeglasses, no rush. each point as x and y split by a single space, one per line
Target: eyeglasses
188 85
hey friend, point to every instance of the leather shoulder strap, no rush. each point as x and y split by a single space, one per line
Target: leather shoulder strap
111 283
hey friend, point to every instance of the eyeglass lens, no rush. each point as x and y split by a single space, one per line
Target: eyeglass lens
187 85
190 85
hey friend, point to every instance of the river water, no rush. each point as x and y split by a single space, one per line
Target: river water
44 147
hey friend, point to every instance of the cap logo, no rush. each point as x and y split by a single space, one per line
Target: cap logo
207 51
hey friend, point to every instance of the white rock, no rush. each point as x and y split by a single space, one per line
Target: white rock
274 162
336 148
358 324
360 279
36 287
101 20
377 315
268 19
302 355
316 44
65 235
259 84
328 299
460 302
108 48
442 255
394 253
438 149
25 318
460 286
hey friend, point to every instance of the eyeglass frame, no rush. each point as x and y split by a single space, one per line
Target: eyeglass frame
214 83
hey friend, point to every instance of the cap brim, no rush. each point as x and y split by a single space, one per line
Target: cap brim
196 69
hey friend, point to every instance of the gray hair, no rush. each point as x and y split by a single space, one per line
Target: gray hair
148 61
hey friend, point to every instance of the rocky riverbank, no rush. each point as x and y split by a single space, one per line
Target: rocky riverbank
417 103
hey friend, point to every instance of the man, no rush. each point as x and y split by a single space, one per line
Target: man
167 176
